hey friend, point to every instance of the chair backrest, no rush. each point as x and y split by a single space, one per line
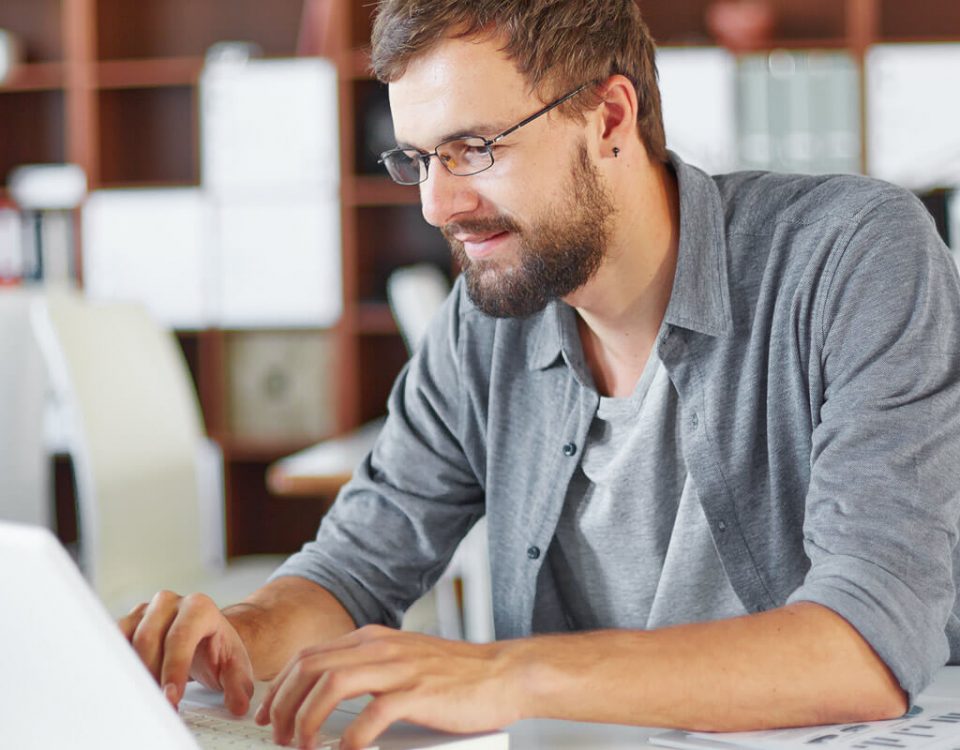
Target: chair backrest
415 294
24 470
134 427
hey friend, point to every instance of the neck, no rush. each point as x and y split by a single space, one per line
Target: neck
622 307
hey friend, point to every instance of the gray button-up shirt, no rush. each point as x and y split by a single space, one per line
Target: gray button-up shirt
813 338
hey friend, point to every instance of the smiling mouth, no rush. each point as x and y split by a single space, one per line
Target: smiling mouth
479 247
479 240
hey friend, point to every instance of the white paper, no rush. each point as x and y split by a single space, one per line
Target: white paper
153 247
913 108
933 725
269 124
698 92
279 262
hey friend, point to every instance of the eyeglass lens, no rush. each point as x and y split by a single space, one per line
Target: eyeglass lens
462 157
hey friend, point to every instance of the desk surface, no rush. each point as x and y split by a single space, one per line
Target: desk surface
324 468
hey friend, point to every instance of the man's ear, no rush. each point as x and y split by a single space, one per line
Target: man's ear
618 115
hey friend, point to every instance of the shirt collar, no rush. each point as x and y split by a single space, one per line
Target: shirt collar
700 299
701 289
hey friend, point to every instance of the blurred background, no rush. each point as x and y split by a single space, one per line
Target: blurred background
215 163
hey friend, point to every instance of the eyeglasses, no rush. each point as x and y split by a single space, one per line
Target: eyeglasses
464 156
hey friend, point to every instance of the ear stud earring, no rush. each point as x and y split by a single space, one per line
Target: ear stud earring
616 153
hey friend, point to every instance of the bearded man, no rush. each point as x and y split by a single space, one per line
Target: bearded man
712 422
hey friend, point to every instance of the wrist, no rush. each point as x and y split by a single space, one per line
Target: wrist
523 665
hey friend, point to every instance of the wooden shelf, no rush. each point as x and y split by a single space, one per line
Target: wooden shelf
260 451
144 185
36 77
357 65
375 318
928 39
813 43
378 191
149 73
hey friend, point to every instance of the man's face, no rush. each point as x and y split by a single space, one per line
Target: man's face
535 226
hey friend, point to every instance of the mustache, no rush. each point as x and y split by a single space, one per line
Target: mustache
493 225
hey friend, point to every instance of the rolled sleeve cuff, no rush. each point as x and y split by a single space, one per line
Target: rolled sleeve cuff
360 604
906 632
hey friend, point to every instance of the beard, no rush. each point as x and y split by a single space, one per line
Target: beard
558 253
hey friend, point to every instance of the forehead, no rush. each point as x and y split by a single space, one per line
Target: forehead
460 85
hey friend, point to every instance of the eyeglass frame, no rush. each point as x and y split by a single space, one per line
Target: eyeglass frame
488 143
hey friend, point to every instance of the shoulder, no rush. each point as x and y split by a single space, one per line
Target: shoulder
758 202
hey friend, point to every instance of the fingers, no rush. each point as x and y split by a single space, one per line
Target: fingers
311 689
374 720
336 687
201 640
129 623
173 635
345 651
196 618
237 682
148 636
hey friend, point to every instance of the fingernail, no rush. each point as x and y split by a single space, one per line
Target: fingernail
259 716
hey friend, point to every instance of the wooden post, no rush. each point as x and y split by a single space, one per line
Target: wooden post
79 28
863 30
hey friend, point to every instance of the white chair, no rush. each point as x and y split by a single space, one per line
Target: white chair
136 438
415 294
25 494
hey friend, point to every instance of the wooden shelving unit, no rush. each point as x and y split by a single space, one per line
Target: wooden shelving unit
112 86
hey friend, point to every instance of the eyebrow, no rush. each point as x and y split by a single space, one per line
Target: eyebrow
475 131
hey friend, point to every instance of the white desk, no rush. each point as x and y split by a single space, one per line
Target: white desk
541 734
324 468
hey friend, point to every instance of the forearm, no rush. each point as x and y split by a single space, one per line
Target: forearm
800 665
283 617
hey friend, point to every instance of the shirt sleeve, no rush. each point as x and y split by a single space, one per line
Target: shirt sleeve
394 527
884 496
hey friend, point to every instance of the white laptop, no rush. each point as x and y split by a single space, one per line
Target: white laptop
71 679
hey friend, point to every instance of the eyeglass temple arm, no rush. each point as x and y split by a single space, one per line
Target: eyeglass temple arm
535 115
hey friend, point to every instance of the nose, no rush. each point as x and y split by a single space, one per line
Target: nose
444 196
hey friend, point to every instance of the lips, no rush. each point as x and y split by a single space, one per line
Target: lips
477 239
480 246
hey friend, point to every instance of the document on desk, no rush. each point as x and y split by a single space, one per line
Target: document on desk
934 725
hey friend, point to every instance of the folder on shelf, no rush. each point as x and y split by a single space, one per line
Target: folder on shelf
914 114
278 261
799 112
151 247
269 124
280 385
697 91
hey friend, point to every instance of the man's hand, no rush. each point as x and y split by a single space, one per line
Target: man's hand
179 638
446 685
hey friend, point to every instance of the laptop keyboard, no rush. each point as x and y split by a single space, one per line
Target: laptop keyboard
214 733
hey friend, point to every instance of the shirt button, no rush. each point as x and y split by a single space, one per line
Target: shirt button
722 525
570 449
694 420
533 553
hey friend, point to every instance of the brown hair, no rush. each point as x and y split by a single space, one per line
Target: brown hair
556 44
